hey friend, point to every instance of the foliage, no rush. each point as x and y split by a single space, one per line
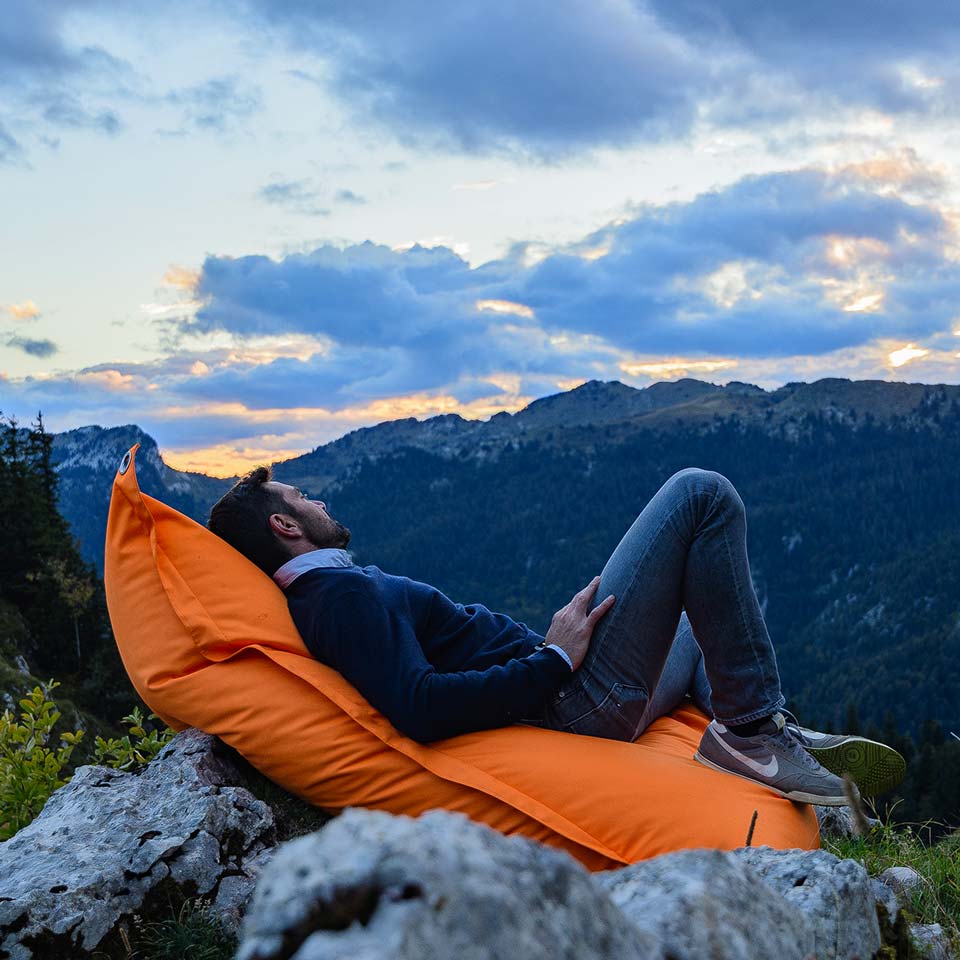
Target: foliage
30 770
125 754
937 897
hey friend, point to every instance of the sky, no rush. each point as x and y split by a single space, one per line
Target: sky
251 226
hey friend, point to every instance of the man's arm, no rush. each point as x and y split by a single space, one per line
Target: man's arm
378 652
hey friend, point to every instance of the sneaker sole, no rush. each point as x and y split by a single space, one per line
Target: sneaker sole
795 795
874 767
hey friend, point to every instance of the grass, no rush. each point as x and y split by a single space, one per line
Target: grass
186 931
936 899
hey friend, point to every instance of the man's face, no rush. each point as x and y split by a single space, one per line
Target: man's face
319 528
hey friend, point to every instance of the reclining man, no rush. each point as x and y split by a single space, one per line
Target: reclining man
673 615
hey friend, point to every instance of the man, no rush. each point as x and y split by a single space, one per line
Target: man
673 615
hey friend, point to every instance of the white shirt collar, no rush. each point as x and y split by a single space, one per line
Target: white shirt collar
315 559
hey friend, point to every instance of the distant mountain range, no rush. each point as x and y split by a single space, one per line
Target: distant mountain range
850 486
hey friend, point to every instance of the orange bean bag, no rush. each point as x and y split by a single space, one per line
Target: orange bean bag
207 641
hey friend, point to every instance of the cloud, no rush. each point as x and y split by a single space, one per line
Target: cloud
804 261
867 53
218 104
27 310
35 348
293 195
65 110
10 149
45 77
548 79
546 76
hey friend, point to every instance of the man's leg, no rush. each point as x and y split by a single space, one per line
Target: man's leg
683 675
686 551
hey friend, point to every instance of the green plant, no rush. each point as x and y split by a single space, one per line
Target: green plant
126 754
29 769
192 934
936 898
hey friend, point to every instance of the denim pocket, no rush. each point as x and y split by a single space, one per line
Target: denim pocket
616 717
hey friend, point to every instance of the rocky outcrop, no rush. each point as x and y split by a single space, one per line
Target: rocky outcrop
373 885
109 845
112 846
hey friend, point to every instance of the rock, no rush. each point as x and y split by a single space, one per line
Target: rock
838 821
371 886
931 941
886 899
835 896
707 903
902 881
108 843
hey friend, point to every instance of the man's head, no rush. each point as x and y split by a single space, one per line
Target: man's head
270 522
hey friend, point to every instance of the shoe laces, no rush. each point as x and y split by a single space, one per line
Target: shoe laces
786 738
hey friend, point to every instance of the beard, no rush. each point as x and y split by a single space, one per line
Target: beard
325 532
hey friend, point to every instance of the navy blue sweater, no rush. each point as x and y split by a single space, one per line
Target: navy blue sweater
433 667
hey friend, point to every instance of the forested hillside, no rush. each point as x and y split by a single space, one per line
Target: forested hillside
53 618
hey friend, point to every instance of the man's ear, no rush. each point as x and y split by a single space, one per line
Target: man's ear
283 525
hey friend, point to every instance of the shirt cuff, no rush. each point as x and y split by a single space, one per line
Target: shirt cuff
561 651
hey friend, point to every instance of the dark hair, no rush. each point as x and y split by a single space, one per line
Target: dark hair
242 518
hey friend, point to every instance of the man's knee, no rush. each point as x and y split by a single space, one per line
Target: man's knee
697 482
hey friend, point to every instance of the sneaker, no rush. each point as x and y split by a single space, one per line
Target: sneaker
773 758
874 767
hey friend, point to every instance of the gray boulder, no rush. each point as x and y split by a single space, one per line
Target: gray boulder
371 886
108 843
836 897
707 903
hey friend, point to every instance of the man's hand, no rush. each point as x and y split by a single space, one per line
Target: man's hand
572 626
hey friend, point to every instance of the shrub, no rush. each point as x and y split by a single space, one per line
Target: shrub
122 753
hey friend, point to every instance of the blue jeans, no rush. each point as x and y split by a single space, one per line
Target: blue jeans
686 621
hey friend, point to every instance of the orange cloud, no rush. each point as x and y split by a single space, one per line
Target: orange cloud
903 169
676 367
27 310
182 278
108 379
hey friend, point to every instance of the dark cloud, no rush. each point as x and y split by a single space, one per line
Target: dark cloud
217 104
47 81
35 348
864 52
545 76
550 78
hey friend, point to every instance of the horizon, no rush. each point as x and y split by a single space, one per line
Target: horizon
289 222
187 468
